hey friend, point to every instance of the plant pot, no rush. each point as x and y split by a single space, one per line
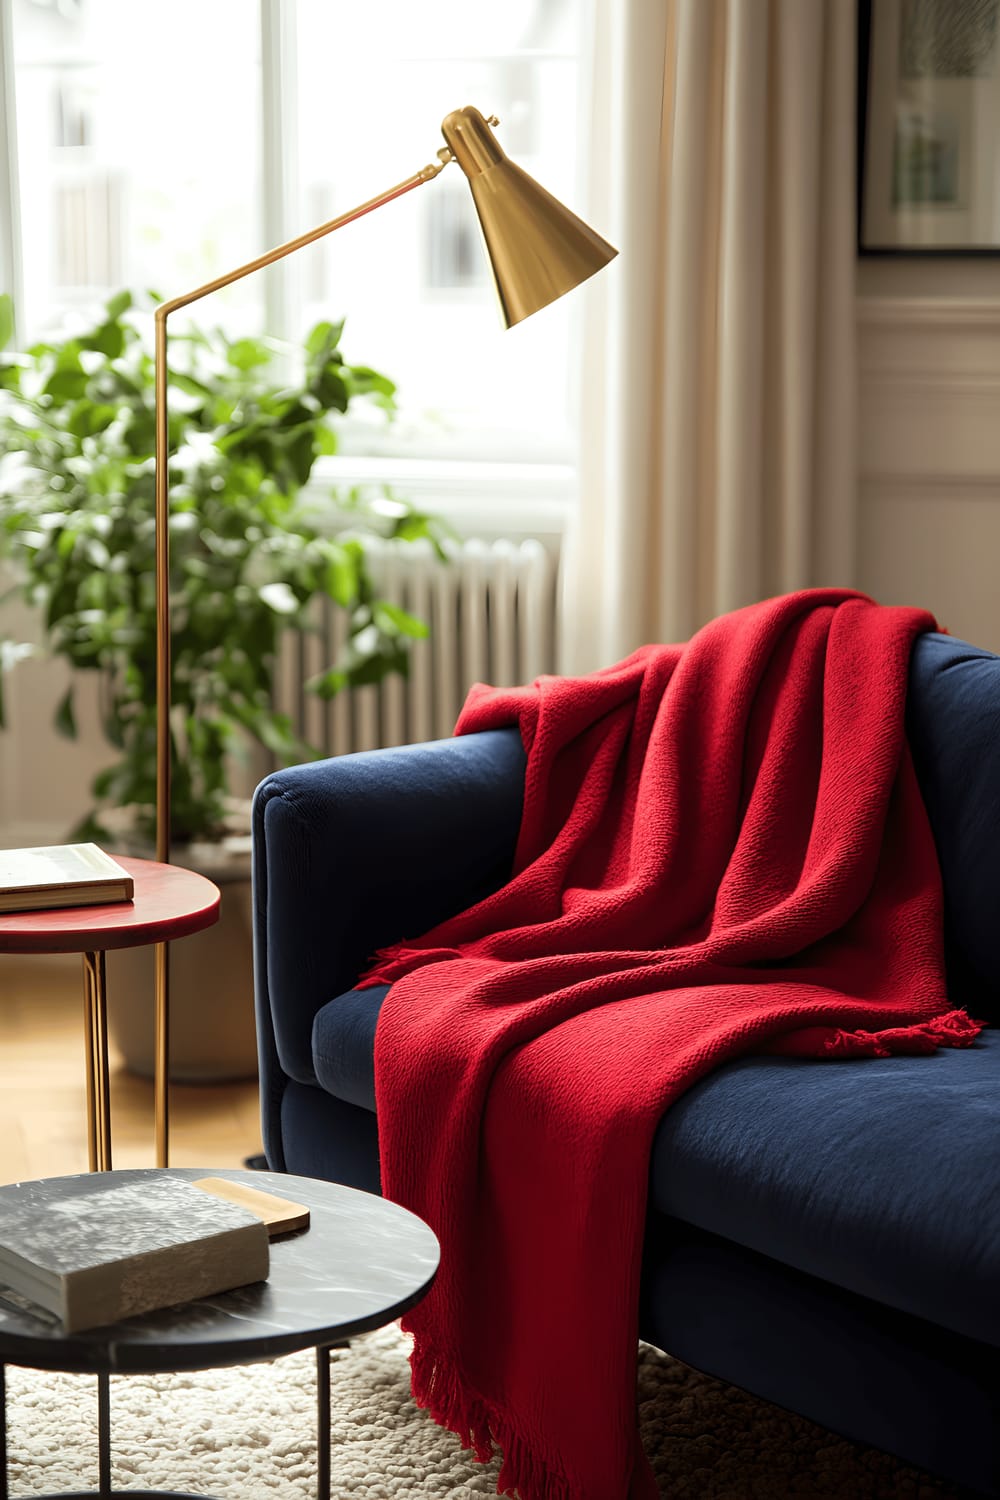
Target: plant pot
212 1030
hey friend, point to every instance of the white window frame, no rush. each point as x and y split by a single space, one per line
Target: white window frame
10 219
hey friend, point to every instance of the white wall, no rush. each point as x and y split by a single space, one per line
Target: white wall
44 778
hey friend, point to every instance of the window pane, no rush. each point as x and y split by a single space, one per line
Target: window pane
138 143
375 82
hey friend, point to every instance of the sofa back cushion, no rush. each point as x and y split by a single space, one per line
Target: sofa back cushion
953 722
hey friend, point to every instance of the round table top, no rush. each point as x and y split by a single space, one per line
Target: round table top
170 902
361 1263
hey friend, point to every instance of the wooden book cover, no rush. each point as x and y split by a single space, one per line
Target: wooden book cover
280 1215
98 1257
55 875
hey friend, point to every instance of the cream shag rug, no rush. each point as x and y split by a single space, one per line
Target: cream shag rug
251 1432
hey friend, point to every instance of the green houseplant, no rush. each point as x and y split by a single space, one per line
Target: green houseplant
251 551
253 546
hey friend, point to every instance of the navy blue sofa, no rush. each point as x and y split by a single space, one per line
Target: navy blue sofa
823 1234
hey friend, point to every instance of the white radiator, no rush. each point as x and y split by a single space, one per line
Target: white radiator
491 613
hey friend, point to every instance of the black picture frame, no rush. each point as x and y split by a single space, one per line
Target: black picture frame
934 223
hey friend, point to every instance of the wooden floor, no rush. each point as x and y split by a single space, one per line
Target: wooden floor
43 1111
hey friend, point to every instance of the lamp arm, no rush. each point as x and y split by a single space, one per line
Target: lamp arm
162 456
162 588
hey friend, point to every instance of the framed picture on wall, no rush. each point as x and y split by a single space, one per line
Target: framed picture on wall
929 136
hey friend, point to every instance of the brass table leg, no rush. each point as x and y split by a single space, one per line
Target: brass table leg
91 1060
161 1055
98 1082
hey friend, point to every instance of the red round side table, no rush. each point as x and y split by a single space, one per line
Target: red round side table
170 902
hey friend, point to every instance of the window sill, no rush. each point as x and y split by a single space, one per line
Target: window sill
477 497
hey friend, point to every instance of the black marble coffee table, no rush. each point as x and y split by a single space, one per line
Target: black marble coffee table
361 1263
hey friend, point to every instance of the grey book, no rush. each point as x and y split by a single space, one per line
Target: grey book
99 1257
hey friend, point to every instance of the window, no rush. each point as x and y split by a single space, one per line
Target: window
158 155
139 160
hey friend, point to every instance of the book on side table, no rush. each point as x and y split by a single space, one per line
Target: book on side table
61 875
101 1256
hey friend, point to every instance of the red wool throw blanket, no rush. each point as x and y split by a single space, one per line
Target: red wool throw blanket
723 850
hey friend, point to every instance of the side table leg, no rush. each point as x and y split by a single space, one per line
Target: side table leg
98 1082
104 1436
161 1054
90 1043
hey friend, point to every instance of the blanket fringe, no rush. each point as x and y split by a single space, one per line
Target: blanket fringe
954 1029
382 958
387 964
440 1390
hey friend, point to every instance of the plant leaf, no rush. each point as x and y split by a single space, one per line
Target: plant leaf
66 385
324 338
109 339
330 389
65 719
395 621
247 354
118 304
6 319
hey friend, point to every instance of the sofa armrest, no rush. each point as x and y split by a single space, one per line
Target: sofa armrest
360 851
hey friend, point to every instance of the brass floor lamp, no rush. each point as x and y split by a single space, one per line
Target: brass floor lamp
537 250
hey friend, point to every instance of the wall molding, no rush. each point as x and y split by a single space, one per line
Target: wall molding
981 315
944 348
932 381
929 397
945 486
929 457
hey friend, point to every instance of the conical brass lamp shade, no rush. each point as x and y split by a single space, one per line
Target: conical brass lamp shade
537 248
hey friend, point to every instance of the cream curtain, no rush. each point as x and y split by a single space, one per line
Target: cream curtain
717 365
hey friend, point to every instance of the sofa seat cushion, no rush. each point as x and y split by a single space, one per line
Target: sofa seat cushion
880 1175
343 1045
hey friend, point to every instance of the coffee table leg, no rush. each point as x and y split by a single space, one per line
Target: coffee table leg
104 1436
98 1081
104 1492
3 1433
323 1353
323 1421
